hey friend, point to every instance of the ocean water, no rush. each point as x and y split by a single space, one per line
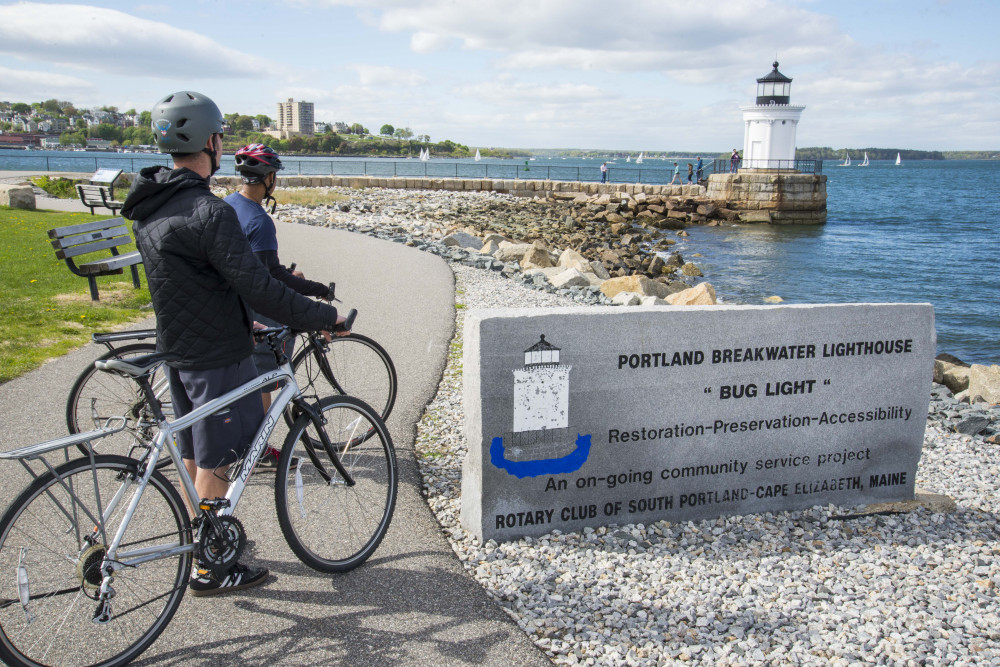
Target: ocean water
922 232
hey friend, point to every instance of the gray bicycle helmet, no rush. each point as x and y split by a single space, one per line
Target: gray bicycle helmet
183 122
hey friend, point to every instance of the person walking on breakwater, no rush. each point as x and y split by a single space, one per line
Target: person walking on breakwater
677 175
734 161
699 169
690 173
604 172
258 167
202 276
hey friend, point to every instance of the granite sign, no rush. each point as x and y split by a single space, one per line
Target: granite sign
591 416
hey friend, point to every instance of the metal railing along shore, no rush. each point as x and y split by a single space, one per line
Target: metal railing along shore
652 174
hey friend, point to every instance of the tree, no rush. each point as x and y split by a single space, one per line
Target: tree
145 119
105 131
387 130
357 128
263 120
20 107
52 106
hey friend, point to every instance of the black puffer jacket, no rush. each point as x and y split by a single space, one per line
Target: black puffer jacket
202 272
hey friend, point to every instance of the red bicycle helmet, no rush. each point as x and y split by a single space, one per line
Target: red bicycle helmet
256 160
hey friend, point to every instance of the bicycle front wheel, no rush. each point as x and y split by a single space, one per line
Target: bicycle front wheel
352 365
97 396
330 525
51 548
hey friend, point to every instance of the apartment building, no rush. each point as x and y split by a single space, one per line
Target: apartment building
295 117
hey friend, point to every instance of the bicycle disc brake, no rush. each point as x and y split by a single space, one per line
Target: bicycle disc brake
221 550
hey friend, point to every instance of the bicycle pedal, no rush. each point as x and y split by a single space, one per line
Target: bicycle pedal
213 505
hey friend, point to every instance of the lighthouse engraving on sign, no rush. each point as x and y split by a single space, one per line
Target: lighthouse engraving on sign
593 416
540 442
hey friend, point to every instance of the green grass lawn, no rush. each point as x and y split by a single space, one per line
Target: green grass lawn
45 310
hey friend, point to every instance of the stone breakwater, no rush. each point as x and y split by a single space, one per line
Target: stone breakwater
598 249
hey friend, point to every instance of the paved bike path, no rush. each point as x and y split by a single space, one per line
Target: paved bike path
412 603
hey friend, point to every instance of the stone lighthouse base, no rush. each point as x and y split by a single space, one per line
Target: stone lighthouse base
768 197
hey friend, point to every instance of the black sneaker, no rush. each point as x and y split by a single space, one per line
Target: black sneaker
269 461
204 583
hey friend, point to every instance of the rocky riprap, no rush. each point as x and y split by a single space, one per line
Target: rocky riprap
620 234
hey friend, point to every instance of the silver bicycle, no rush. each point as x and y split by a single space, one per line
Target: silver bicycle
96 554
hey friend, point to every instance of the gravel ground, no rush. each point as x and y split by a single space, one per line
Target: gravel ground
788 588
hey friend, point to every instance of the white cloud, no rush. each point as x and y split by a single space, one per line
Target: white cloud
390 77
25 84
109 41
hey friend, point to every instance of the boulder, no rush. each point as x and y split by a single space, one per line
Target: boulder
951 372
17 196
690 269
495 237
984 383
626 299
569 278
490 247
536 258
511 252
640 285
675 260
599 270
702 294
653 301
571 259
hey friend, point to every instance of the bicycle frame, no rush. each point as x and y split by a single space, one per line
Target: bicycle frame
166 434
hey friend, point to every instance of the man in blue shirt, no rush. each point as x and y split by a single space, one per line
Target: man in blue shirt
258 167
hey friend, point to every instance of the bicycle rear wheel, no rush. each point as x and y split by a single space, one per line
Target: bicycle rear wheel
352 365
97 396
333 527
50 557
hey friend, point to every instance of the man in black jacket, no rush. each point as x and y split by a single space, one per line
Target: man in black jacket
203 278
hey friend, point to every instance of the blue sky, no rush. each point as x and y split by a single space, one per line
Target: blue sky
603 74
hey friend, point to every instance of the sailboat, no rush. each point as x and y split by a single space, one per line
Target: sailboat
628 158
638 160
898 161
425 154
865 163
847 160
478 158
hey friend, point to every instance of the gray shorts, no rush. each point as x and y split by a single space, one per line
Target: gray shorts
224 437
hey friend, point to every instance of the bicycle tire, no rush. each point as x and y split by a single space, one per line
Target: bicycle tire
332 527
96 396
352 365
147 596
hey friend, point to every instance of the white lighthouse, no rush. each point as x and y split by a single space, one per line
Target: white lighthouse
770 124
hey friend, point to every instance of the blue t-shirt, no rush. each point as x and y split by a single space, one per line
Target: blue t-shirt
257 225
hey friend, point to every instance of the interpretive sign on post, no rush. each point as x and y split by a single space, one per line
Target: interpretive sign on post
593 416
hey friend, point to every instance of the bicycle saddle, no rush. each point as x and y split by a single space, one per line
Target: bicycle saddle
136 366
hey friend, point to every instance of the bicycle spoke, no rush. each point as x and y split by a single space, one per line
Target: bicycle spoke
53 622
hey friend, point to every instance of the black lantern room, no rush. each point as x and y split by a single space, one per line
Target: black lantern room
775 88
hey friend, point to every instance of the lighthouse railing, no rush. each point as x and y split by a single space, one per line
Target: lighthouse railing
725 165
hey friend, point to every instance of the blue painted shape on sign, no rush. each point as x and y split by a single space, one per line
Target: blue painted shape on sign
521 469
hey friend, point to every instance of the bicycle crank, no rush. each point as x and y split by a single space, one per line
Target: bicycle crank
222 542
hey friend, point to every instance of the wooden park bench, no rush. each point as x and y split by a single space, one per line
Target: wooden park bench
98 195
101 190
90 237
